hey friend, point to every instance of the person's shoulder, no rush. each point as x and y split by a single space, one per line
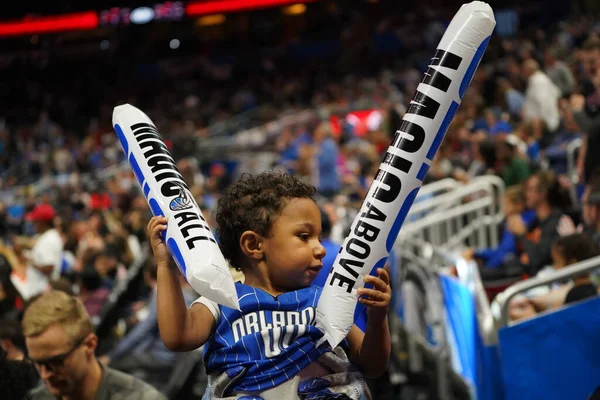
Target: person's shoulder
129 387
580 292
40 392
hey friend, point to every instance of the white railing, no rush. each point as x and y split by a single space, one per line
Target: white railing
438 187
469 214
569 272
443 225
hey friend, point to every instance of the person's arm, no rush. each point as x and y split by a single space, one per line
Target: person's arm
370 351
181 329
494 258
552 299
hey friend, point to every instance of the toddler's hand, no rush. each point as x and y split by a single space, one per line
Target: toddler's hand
378 298
156 226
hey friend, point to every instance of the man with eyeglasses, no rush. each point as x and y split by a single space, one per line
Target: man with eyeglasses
61 344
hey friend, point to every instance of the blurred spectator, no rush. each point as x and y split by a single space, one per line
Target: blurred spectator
142 350
331 247
326 174
16 378
515 169
107 263
541 101
92 291
496 126
10 299
61 343
45 258
588 120
512 97
483 163
558 72
12 340
566 251
590 212
526 133
535 239
513 204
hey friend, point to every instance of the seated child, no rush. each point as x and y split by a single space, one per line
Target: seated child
269 226
566 251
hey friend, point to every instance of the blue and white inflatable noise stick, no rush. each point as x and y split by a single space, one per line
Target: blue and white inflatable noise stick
404 167
188 236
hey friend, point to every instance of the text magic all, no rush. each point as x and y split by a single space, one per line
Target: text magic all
404 167
188 236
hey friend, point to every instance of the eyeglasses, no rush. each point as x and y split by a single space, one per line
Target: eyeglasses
58 361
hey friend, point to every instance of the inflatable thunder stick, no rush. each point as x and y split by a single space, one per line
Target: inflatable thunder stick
404 167
188 236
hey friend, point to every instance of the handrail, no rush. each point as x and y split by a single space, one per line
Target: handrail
438 186
523 286
453 212
483 184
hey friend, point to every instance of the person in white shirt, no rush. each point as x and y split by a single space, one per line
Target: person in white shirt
45 257
541 101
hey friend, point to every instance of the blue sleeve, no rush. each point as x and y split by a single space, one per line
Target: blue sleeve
494 258
360 320
141 331
485 254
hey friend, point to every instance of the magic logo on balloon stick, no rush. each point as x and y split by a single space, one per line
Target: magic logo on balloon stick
188 236
192 224
404 167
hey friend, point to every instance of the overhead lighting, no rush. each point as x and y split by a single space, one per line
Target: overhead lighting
295 9
174 44
52 24
141 15
209 20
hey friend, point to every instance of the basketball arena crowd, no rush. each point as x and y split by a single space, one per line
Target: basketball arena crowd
73 219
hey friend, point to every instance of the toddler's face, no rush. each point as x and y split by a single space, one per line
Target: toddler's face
293 250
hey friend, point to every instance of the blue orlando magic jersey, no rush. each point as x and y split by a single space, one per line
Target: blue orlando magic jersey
274 338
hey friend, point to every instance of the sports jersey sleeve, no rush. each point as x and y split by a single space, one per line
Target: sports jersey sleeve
211 305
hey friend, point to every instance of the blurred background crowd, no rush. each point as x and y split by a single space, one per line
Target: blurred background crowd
317 91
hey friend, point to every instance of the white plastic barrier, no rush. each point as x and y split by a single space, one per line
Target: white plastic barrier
438 187
469 214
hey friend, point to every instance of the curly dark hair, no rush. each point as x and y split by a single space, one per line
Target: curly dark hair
577 247
253 203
